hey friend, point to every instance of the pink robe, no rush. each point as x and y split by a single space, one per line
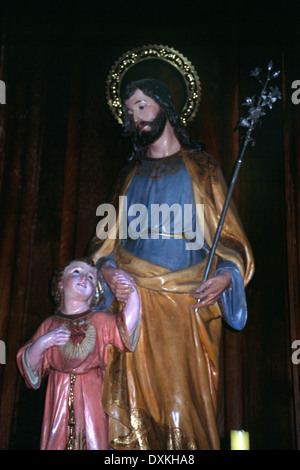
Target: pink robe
91 428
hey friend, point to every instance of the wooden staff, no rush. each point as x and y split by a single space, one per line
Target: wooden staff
256 106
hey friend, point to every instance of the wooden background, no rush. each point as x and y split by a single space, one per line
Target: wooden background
61 151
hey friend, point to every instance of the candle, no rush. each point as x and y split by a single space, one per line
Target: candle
239 440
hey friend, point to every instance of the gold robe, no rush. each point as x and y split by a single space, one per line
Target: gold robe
165 394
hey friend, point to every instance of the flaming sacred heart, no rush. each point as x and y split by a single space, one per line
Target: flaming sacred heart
77 335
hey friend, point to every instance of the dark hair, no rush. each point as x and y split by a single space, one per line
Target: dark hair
57 277
160 93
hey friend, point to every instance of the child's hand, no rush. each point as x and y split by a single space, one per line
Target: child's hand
109 273
123 287
57 337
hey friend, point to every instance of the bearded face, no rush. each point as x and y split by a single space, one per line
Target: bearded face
147 113
147 120
149 131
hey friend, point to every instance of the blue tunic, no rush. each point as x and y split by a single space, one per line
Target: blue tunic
172 238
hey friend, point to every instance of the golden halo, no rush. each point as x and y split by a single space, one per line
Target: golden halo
169 56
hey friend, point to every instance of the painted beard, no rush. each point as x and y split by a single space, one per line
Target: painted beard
145 138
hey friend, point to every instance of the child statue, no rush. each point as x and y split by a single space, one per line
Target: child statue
71 348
